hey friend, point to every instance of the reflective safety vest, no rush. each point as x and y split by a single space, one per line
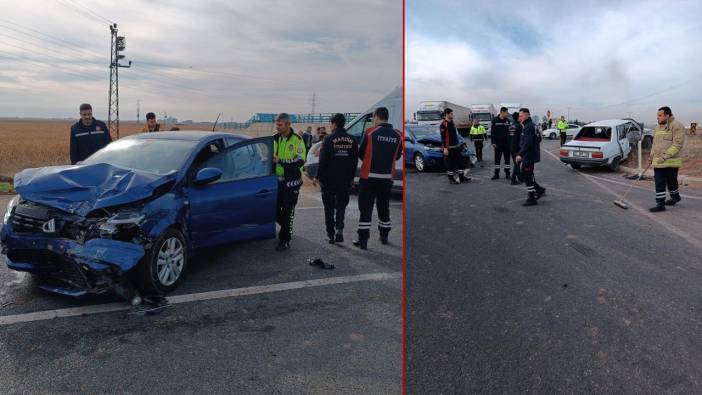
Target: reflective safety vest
562 126
477 130
668 141
291 152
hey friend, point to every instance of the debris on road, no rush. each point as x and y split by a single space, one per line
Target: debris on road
321 263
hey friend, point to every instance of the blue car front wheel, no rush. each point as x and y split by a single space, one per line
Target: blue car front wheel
164 265
419 163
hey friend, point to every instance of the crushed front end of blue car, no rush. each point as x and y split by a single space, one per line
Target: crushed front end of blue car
82 229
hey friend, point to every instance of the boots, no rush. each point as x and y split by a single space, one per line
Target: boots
660 206
384 239
339 237
507 177
540 191
531 200
673 200
360 243
497 174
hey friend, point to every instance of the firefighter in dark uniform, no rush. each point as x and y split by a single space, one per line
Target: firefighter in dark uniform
151 124
529 154
515 135
338 159
500 142
451 147
289 157
87 135
381 146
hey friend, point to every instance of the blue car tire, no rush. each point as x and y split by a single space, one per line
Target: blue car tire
163 267
419 162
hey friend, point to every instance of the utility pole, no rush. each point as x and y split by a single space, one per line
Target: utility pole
314 102
138 117
117 44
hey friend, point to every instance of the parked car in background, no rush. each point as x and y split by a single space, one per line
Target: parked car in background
128 219
423 148
602 143
554 133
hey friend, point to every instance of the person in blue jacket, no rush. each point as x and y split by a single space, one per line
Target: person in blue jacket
87 135
529 154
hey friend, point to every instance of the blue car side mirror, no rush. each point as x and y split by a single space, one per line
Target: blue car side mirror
207 175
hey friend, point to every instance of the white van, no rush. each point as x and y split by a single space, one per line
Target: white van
602 143
393 102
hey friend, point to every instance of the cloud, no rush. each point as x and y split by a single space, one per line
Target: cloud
195 59
600 59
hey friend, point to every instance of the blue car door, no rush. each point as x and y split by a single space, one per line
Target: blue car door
241 205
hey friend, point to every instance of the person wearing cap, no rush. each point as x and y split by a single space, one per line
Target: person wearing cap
87 135
289 156
151 124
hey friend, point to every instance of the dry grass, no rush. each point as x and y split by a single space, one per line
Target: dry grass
692 157
37 143
25 144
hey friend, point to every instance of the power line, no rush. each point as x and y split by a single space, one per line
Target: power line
83 12
76 2
72 56
47 37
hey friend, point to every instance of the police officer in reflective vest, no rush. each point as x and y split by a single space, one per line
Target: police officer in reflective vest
477 135
289 157
381 146
668 141
87 135
338 160
499 136
562 128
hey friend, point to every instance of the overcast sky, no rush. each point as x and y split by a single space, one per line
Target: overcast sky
601 58
193 59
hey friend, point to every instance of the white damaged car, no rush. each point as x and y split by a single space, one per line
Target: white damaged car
601 143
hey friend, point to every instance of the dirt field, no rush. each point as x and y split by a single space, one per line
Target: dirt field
36 143
25 144
692 157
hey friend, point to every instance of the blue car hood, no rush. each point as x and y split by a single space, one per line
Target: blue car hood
81 189
437 139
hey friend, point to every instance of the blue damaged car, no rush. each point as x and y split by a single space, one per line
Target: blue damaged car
423 148
128 219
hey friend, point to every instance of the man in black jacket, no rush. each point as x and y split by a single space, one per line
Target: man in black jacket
499 137
338 159
451 147
381 146
87 135
529 154
515 135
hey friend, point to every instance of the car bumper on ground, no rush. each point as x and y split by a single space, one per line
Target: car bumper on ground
71 268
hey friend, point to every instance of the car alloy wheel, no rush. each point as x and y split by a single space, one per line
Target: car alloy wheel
164 265
170 261
419 162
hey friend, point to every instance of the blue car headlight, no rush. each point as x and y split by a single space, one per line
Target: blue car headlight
120 221
10 209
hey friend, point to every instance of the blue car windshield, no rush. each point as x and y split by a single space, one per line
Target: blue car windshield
151 155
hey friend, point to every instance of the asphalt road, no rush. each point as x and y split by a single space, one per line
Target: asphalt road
574 295
341 338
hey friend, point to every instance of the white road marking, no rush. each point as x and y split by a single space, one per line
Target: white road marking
202 296
684 235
